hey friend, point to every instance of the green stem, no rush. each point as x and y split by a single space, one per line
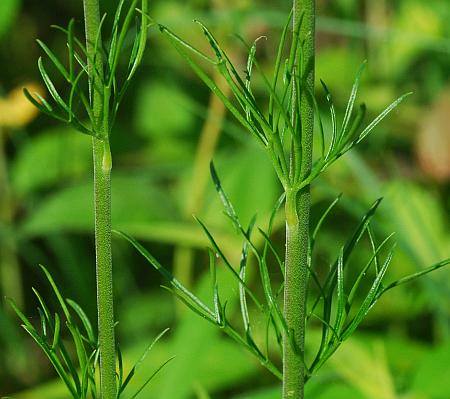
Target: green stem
102 201
297 208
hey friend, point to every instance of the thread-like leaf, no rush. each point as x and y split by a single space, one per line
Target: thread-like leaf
334 136
120 42
140 361
351 101
242 275
151 377
75 39
275 253
350 139
173 281
81 62
364 270
115 32
43 323
340 293
142 40
44 307
229 209
52 324
412 277
368 301
28 327
348 249
59 66
227 262
180 46
381 116
215 288
321 221
276 71
248 74
84 319
43 106
57 332
50 86
120 372
192 305
60 298
70 40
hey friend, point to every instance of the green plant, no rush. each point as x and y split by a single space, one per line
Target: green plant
93 66
79 378
285 130
79 382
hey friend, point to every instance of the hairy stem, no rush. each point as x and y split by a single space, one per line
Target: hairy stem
102 201
297 210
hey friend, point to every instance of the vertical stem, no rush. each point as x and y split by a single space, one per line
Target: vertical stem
105 310
102 201
295 295
297 211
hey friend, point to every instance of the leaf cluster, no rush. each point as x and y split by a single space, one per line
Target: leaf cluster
334 305
279 128
80 375
77 105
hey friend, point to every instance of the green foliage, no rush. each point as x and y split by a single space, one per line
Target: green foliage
79 376
76 74
277 133
333 297
100 106
275 130
412 319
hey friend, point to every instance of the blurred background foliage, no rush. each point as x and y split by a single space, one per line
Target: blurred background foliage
167 131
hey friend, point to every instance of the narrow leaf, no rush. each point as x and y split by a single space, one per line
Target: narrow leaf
84 319
322 219
412 277
151 377
380 117
142 40
51 88
141 360
368 301
351 101
334 136
173 281
59 66
57 332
